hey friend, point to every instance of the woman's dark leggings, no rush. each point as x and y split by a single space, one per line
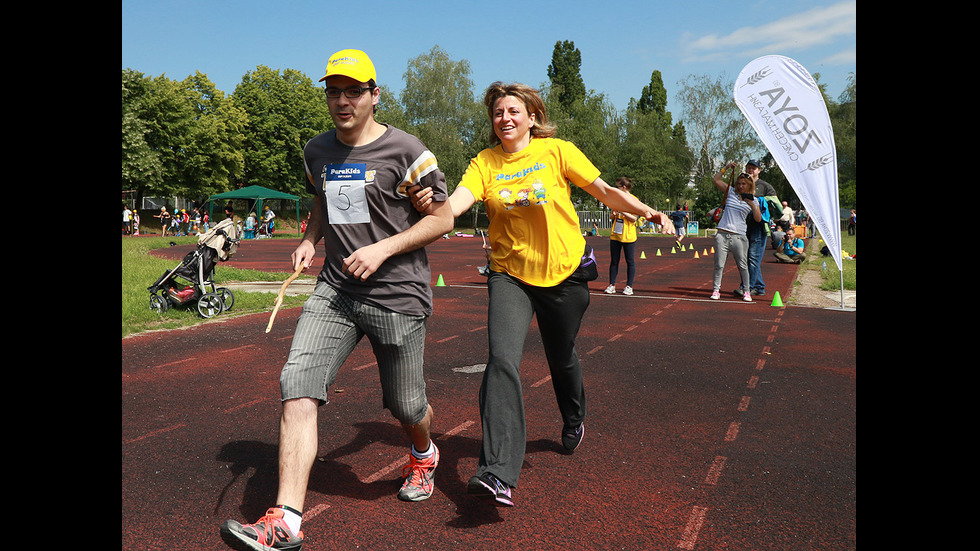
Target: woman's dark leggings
627 248
559 312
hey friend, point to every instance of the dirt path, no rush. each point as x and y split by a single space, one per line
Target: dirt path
807 292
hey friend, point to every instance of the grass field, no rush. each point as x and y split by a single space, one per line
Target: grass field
829 272
141 269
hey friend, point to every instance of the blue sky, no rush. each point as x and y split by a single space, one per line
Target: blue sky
622 41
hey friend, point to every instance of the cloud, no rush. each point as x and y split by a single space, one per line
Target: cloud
843 57
813 28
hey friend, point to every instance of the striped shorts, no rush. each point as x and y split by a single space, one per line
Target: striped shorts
331 325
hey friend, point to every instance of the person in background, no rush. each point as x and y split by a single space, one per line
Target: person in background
164 217
791 248
185 223
679 217
127 221
756 233
622 239
250 225
788 219
740 204
269 218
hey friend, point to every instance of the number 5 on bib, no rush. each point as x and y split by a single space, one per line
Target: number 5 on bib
343 187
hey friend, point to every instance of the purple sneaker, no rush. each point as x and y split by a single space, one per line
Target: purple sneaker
488 485
572 437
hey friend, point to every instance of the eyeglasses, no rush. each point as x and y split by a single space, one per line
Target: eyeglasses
353 92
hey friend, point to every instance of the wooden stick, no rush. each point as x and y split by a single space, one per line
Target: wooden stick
282 292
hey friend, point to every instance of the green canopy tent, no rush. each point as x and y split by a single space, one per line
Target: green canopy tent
256 194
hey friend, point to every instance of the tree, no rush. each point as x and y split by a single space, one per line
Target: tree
158 123
284 111
844 120
389 110
564 72
179 138
650 151
440 110
653 99
142 168
213 159
678 184
590 123
717 133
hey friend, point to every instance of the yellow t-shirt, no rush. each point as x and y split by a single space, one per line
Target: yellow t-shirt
534 229
623 230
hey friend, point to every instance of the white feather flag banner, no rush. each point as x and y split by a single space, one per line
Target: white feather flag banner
783 104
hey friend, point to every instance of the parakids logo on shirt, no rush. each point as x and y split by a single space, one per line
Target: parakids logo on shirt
339 172
521 173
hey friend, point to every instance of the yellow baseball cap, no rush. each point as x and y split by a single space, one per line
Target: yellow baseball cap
351 63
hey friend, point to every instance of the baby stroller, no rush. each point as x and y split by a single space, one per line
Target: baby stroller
197 271
266 228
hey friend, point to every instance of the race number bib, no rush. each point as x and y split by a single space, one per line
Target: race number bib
618 226
343 187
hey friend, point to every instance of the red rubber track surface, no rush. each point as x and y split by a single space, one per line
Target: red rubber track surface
712 424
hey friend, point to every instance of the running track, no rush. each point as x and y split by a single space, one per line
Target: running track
713 425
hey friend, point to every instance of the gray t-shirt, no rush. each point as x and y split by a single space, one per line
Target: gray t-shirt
735 213
362 190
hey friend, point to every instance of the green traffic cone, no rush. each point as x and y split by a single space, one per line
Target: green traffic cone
776 301
440 282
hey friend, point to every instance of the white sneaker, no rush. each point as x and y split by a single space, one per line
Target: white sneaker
628 290
747 297
611 290
715 295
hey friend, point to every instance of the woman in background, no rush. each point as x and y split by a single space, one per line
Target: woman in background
622 240
740 202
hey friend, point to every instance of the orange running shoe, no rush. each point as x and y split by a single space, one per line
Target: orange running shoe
269 533
419 475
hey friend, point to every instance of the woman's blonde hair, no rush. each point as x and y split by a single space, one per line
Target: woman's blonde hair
531 99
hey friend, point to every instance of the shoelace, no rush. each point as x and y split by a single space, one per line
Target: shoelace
266 530
417 468
499 486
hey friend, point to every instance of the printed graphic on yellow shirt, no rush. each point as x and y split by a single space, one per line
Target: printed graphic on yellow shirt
524 197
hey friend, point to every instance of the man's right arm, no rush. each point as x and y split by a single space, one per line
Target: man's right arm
306 249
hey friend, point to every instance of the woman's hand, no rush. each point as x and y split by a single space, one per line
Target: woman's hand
666 224
421 197
719 177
